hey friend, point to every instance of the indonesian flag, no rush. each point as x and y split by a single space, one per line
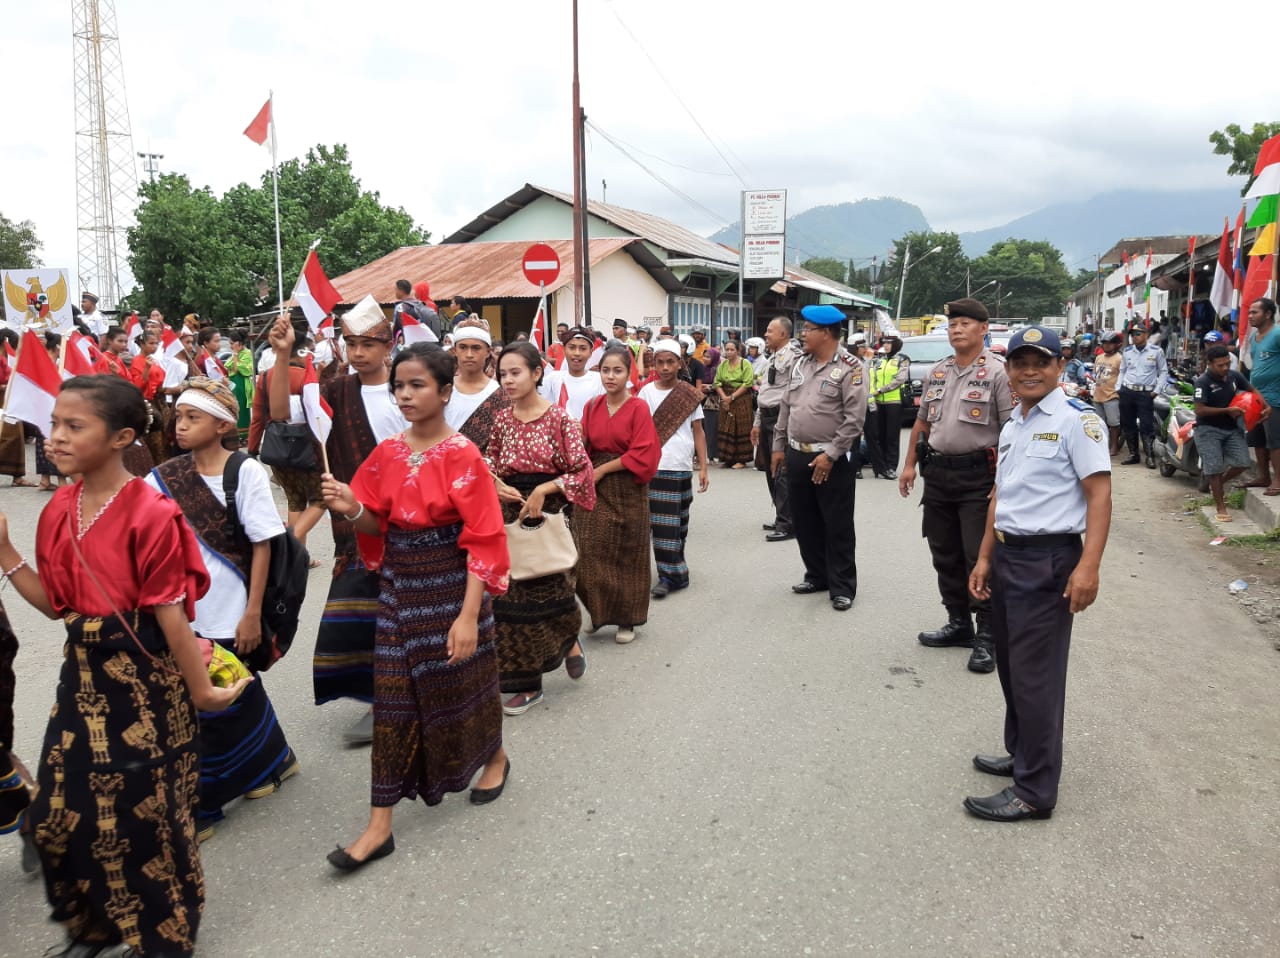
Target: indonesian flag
34 386
1266 171
9 351
170 343
76 363
413 331
1224 273
1146 293
326 327
87 348
314 293
1257 282
1238 282
1128 287
262 125
538 334
133 329
319 415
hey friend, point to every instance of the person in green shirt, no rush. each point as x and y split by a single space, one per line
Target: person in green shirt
240 372
734 378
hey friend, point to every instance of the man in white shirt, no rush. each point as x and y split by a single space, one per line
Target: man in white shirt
573 386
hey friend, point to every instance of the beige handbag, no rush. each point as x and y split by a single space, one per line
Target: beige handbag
539 547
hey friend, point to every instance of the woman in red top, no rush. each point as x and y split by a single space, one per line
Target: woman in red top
613 538
149 375
426 514
114 359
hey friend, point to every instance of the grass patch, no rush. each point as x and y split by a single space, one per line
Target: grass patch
1235 500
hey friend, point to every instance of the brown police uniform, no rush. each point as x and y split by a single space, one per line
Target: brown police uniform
822 410
768 405
965 408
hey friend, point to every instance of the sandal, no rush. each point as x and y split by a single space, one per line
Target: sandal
24 483
1222 517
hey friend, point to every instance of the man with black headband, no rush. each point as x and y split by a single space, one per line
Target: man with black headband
574 386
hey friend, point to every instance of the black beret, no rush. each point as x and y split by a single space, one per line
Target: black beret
967 307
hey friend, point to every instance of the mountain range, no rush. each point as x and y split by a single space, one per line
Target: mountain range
1080 229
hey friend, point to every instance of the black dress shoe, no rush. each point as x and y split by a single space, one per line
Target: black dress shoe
958 632
768 526
1004 807
807 588
341 860
483 796
994 764
889 474
982 658
779 536
841 603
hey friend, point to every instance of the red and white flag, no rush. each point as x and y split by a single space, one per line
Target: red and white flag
314 293
87 348
34 385
133 329
1128 288
319 415
413 331
326 327
170 343
1223 273
9 351
76 363
538 334
263 125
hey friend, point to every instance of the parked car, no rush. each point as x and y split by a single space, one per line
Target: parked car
924 352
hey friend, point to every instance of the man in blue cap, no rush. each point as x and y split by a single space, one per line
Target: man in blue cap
819 420
1053 483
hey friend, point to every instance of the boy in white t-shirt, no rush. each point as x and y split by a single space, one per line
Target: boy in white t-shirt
677 414
244 752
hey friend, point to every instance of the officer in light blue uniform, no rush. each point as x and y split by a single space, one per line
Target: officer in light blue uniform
1143 371
1053 485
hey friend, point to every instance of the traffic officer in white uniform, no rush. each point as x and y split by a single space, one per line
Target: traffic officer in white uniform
1053 483
1142 372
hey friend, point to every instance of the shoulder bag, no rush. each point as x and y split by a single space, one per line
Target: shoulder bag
540 547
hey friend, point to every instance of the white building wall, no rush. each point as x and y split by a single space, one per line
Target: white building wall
620 287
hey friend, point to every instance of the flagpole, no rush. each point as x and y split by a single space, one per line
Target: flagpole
62 355
275 193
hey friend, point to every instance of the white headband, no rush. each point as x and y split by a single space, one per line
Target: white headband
472 332
205 403
666 346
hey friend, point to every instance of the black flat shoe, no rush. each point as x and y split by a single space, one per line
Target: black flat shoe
341 860
661 590
807 588
1004 807
768 526
576 665
842 603
994 764
779 536
483 796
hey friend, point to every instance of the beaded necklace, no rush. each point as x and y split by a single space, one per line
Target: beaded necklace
86 526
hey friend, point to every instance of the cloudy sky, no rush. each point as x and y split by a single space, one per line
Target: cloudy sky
976 112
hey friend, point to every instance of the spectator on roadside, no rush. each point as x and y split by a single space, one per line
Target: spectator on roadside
1220 440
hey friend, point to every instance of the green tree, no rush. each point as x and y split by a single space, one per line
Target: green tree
1243 147
827 266
192 250
1083 277
1031 280
18 244
932 278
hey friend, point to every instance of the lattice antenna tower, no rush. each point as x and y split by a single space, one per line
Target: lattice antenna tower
106 179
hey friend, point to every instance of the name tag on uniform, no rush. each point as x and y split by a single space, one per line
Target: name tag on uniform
829 387
1043 445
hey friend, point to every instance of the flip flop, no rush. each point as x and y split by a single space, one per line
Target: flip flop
1222 517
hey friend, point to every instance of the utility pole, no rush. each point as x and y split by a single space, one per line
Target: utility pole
579 217
151 163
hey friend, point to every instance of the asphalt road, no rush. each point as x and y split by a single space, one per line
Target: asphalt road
760 775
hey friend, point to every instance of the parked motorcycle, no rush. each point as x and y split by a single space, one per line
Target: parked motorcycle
1175 442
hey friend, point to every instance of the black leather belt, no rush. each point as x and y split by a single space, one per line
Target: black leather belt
1047 541
970 460
1138 389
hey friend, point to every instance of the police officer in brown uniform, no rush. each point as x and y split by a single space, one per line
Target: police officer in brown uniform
819 421
966 401
784 352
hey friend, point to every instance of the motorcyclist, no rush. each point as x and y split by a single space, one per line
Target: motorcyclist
1073 370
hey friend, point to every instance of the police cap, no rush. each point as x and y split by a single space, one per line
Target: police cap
967 307
825 315
1040 338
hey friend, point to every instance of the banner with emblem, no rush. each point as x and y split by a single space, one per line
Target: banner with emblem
37 299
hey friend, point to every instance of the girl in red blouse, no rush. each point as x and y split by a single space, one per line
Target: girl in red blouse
613 539
114 359
426 514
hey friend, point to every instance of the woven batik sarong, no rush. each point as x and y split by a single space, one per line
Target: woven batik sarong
670 496
613 551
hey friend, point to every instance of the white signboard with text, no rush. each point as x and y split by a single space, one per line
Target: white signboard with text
764 257
764 212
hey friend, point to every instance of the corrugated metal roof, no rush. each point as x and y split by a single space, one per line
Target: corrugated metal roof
661 232
1137 246
475 270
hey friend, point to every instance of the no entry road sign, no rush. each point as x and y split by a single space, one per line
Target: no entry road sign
541 264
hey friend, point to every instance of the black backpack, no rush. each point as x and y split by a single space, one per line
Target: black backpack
286 579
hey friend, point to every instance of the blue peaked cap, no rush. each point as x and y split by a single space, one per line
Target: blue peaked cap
825 315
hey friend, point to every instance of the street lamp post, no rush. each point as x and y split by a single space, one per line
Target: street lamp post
906 266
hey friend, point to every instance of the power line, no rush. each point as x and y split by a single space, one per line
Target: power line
675 93
654 156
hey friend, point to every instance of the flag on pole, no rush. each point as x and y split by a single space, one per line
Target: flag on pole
260 128
1264 212
319 415
1224 275
326 327
86 347
414 331
1265 244
538 333
170 344
1266 170
1237 270
1146 293
314 293
1128 288
75 362
1257 282
133 329
9 352
34 385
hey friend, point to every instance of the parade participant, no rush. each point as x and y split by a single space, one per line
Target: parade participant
50 477
1072 367
677 418
15 793
555 352
364 414
240 372
1143 371
207 361
613 537
243 751
13 448
407 302
1106 376
1053 482
734 378
820 420
536 454
889 371
572 387
650 374
476 398
711 406
425 508
94 321
120 566
700 350
783 353
303 500
692 371
191 324
966 401
1264 351
150 375
114 358
1220 441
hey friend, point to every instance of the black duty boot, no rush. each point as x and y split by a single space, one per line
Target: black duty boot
1148 447
1134 459
983 657
957 633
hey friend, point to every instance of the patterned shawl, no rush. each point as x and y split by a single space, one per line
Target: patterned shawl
671 413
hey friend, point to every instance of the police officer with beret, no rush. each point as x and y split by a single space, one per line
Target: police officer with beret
1053 482
1143 370
966 400
820 419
